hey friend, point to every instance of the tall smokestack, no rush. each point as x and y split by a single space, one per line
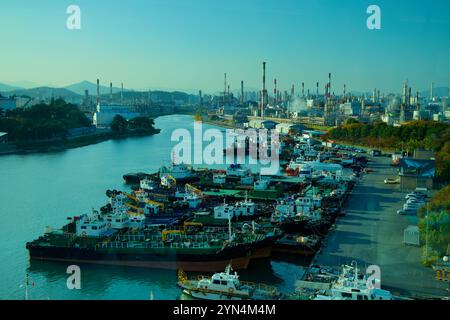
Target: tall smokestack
225 89
264 76
121 94
409 96
329 84
228 94
417 101
110 93
432 91
303 89
317 89
275 91
345 90
264 91
242 92
98 92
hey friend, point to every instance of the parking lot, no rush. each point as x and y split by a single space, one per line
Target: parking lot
372 233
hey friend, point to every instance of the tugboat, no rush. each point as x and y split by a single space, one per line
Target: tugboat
225 286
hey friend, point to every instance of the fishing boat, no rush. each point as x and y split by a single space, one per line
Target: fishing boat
225 286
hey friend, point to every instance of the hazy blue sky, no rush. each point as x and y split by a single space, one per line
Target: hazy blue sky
189 44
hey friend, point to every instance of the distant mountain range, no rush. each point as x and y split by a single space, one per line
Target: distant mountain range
43 92
76 91
92 88
7 87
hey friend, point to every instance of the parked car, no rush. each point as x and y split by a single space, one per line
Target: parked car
407 212
391 181
411 206
413 200
416 195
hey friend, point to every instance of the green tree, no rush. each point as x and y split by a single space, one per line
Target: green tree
351 121
119 125
143 124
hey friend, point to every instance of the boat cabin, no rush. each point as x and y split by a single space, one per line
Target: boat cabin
223 281
245 208
91 226
247 180
147 184
223 211
219 179
117 220
193 201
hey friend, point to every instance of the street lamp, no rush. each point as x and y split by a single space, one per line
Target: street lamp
446 265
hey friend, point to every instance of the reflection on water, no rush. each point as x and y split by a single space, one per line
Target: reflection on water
40 190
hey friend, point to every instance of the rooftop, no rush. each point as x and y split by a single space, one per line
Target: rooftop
422 168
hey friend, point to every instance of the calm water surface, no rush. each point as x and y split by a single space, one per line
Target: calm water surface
42 190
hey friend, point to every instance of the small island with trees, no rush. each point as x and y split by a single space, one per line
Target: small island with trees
58 125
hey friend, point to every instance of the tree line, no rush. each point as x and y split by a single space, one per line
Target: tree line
417 134
140 125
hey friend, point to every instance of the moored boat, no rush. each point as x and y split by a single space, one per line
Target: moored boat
225 286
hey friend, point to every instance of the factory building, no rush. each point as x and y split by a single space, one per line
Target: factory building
419 171
350 109
262 124
104 115
287 128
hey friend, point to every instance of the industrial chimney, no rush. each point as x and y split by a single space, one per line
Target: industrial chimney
110 93
329 84
432 91
121 94
98 93
264 91
225 89
275 92
242 92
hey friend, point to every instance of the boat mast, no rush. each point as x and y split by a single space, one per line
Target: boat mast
230 236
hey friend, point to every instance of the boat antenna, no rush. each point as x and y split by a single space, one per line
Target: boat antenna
230 236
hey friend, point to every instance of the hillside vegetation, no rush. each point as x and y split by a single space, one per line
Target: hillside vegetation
42 121
437 231
418 134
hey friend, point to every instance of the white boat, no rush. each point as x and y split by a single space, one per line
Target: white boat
352 286
225 286
237 170
177 171
148 184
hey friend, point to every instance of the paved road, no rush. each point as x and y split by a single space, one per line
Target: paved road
372 234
